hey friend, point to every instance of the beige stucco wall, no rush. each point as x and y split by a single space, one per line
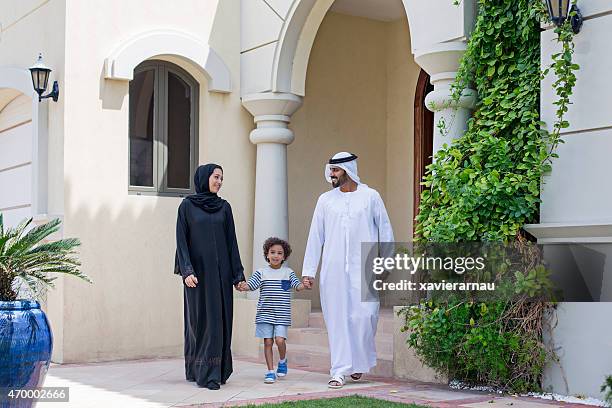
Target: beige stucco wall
402 76
134 307
359 97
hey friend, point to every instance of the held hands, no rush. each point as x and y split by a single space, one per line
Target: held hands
242 286
308 282
191 281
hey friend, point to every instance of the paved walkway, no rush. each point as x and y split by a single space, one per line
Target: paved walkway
160 383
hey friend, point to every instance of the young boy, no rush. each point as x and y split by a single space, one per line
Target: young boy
274 307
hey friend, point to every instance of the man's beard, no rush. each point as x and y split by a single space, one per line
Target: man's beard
340 181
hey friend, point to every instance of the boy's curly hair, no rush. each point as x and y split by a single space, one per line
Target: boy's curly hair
270 242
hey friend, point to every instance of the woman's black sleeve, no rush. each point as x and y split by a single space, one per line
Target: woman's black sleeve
232 244
182 259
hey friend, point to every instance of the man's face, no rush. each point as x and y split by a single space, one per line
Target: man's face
338 176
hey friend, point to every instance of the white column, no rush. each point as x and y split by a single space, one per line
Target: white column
272 112
441 62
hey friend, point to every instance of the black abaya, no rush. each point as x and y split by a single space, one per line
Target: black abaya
207 248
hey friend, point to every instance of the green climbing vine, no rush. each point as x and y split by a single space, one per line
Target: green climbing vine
564 70
485 186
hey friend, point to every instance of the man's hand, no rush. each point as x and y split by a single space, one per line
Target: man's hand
307 281
191 281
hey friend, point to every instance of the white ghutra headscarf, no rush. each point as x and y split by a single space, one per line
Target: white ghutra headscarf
347 162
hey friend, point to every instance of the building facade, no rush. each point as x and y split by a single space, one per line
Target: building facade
269 89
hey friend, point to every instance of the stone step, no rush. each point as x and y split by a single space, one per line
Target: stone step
385 322
316 358
318 337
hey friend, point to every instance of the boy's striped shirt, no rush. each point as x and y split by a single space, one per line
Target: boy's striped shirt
274 304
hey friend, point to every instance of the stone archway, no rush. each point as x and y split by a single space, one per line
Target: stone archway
120 64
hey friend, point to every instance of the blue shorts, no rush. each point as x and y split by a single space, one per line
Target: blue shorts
269 330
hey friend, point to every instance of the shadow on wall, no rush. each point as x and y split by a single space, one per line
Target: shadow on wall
134 307
112 93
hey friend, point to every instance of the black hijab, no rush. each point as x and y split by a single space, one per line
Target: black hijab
207 201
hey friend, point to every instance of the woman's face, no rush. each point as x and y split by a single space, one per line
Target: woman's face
215 181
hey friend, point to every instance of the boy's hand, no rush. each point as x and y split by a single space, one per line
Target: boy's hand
243 286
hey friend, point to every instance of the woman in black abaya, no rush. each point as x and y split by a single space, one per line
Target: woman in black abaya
209 262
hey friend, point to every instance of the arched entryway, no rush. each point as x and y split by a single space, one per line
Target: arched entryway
359 96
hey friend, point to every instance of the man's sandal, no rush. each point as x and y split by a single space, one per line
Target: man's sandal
337 381
356 377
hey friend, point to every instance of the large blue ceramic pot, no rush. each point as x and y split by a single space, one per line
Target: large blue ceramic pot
25 345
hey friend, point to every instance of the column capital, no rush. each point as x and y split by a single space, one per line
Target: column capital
441 61
272 112
271 105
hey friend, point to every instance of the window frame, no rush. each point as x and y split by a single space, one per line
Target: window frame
160 187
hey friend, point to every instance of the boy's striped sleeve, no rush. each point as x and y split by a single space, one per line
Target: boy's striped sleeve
295 282
254 281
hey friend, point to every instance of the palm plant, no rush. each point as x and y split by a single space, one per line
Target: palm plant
25 257
607 388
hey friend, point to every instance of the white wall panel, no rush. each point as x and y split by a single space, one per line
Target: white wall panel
16 150
438 21
577 188
12 218
589 8
583 336
16 187
260 24
281 6
592 96
256 69
13 11
16 146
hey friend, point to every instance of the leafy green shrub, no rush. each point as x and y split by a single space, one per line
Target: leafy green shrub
484 187
479 343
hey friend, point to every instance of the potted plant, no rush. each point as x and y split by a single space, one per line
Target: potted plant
28 261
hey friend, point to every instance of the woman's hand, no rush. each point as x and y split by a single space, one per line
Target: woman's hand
242 286
191 281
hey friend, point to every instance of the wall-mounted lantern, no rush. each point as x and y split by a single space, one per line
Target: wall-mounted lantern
559 10
40 77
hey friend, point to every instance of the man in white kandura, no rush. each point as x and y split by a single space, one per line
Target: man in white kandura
345 217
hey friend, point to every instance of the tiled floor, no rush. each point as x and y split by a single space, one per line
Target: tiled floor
160 383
